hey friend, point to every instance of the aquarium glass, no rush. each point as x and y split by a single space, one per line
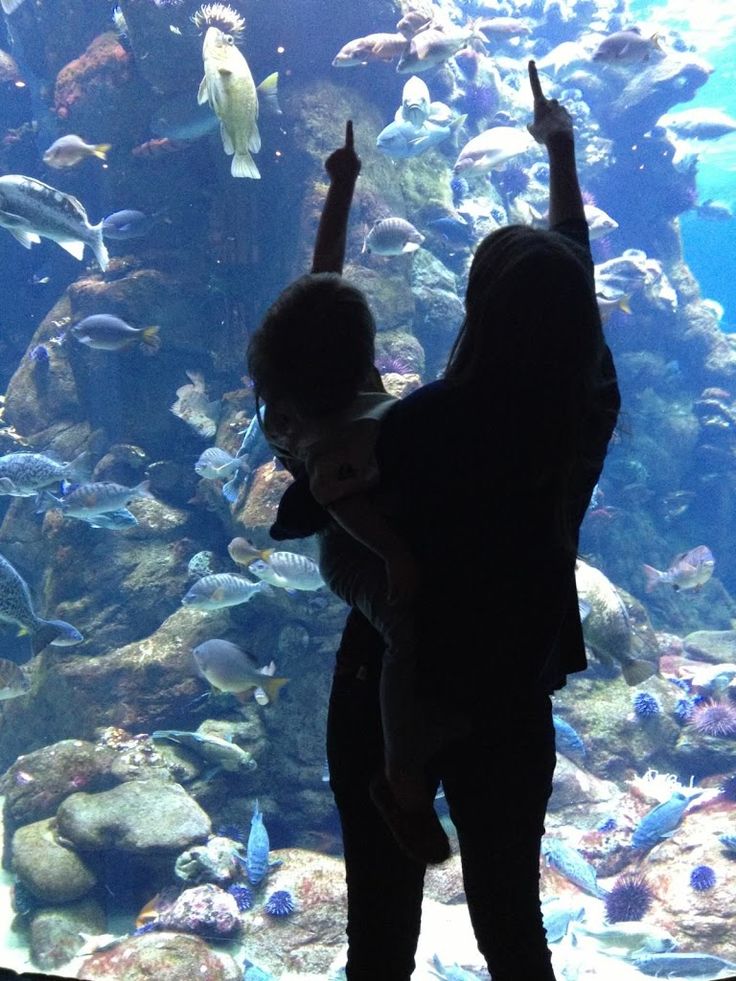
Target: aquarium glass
162 731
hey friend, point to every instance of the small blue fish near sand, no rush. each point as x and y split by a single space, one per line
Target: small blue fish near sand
257 864
661 821
570 863
221 590
16 607
557 915
567 739
88 500
676 965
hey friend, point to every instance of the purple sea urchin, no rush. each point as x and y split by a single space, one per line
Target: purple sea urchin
512 180
279 903
629 899
702 878
646 706
242 895
715 719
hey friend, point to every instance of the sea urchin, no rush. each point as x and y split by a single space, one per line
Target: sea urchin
629 899
715 719
646 706
279 903
702 878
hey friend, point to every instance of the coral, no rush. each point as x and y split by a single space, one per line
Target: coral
629 899
702 878
279 903
714 719
646 706
242 895
728 787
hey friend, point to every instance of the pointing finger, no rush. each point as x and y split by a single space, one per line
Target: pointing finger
349 134
535 83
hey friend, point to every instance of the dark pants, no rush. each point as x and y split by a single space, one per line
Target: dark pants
497 784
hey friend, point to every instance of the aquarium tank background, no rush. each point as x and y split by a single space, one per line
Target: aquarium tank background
138 796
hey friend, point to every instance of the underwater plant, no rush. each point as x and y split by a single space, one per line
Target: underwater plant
702 878
714 719
629 899
646 706
279 903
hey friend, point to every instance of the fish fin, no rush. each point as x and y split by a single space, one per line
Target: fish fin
268 91
47 502
143 490
150 338
653 576
636 671
10 6
26 238
202 95
99 248
101 150
230 490
244 165
272 686
410 247
254 142
624 305
45 635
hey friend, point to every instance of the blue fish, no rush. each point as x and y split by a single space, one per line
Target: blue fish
567 739
254 445
402 140
557 914
256 857
661 821
127 224
454 229
570 863
682 965
451 972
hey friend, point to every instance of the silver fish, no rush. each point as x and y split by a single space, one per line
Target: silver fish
227 668
93 499
111 520
16 607
372 47
699 123
627 48
13 680
194 408
221 590
103 332
288 570
32 210
217 464
25 474
70 150
222 753
689 570
433 46
491 149
415 101
392 236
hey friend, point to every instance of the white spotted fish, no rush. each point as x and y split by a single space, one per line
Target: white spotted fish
569 862
25 474
31 210
13 680
16 607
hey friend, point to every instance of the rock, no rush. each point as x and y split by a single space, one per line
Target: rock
219 861
51 871
712 646
37 783
206 910
268 484
142 816
55 931
160 955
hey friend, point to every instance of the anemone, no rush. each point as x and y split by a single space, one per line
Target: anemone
219 15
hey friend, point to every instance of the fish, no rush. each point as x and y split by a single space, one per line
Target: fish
180 118
103 332
451 972
433 46
503 26
372 47
93 499
711 210
127 224
606 306
699 123
257 864
31 210
607 628
627 48
415 19
200 564
569 862
229 88
682 965
194 408
25 474
688 570
227 668
221 590
557 915
728 842
627 938
567 738
13 680
454 229
222 753
661 821
217 464
599 222
491 149
16 607
70 150
10 6
415 101
392 236
287 570
111 520
402 140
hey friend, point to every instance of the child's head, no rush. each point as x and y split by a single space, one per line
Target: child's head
315 346
530 312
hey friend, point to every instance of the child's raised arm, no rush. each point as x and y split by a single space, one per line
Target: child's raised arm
343 166
552 127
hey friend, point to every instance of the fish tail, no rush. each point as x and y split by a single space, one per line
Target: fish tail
143 490
636 671
10 6
272 686
101 150
653 575
99 248
268 91
151 339
244 165
44 634
79 468
624 305
46 502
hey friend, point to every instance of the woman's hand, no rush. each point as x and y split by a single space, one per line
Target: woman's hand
343 164
551 120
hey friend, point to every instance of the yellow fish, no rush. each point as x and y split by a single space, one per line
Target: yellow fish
229 88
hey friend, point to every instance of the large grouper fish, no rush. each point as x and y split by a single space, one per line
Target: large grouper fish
229 88
32 210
